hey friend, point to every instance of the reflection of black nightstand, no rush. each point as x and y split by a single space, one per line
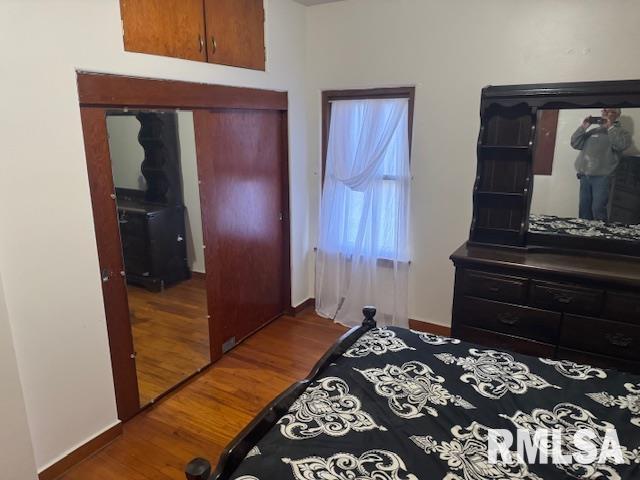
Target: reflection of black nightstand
624 202
153 244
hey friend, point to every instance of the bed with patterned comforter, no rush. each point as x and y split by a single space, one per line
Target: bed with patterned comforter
408 405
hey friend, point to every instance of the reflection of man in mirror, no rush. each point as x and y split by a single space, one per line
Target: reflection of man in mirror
600 150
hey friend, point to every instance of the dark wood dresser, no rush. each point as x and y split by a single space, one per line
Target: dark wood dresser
578 307
153 244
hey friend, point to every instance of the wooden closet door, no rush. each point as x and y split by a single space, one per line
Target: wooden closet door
242 162
235 32
114 287
173 28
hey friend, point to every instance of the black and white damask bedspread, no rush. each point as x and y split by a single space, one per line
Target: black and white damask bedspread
403 405
550 224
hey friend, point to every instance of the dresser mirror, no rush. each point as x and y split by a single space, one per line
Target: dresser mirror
586 167
153 162
531 178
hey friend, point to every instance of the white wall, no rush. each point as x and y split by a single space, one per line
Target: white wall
47 249
450 50
558 193
16 452
191 191
126 152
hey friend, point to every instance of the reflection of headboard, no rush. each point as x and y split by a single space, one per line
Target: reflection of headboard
624 202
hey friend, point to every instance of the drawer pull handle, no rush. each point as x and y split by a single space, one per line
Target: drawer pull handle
566 299
508 318
618 339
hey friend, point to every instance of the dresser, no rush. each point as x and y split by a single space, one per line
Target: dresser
579 307
153 244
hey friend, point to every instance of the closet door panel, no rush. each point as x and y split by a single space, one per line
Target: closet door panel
172 28
241 156
114 288
235 33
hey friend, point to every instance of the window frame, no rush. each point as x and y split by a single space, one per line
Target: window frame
328 96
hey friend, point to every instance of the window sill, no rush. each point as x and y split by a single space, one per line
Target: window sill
382 262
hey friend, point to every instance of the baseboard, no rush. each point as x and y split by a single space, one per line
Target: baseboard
199 275
429 327
81 453
308 303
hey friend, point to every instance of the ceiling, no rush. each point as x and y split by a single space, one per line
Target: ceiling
316 2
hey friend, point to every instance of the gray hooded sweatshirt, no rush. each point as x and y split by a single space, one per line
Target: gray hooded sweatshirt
600 148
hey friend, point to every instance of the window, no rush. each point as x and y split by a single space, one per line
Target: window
371 224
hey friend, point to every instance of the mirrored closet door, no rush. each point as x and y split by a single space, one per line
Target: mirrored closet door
155 208
153 162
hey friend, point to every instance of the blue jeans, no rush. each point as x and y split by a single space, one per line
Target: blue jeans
594 197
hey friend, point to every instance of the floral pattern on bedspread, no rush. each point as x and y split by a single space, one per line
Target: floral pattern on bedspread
551 224
402 405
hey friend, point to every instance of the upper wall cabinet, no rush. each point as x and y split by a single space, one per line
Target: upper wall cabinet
236 32
172 28
228 32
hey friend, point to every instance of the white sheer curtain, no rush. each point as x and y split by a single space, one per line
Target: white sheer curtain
363 256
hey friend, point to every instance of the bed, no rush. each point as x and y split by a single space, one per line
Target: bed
396 404
554 225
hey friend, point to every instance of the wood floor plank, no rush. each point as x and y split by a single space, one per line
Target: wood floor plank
170 335
200 418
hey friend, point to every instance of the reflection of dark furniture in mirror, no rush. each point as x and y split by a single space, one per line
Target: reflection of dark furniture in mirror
558 296
152 223
153 244
624 202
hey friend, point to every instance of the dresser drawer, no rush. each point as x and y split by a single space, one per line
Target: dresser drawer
566 298
504 342
494 286
596 360
605 337
511 319
623 307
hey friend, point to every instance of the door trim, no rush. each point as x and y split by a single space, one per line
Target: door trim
98 93
105 90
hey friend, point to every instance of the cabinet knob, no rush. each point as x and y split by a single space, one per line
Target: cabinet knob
508 318
214 45
200 42
566 299
619 339
105 274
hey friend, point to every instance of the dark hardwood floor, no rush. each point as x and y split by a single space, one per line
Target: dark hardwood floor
200 418
170 335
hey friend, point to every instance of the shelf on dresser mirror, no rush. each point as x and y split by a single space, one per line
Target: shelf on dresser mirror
488 193
504 147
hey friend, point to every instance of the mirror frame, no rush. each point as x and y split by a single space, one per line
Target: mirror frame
492 208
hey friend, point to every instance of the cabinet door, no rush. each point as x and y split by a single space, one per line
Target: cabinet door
172 28
235 33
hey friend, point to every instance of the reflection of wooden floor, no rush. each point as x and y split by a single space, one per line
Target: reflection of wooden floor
200 418
170 335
